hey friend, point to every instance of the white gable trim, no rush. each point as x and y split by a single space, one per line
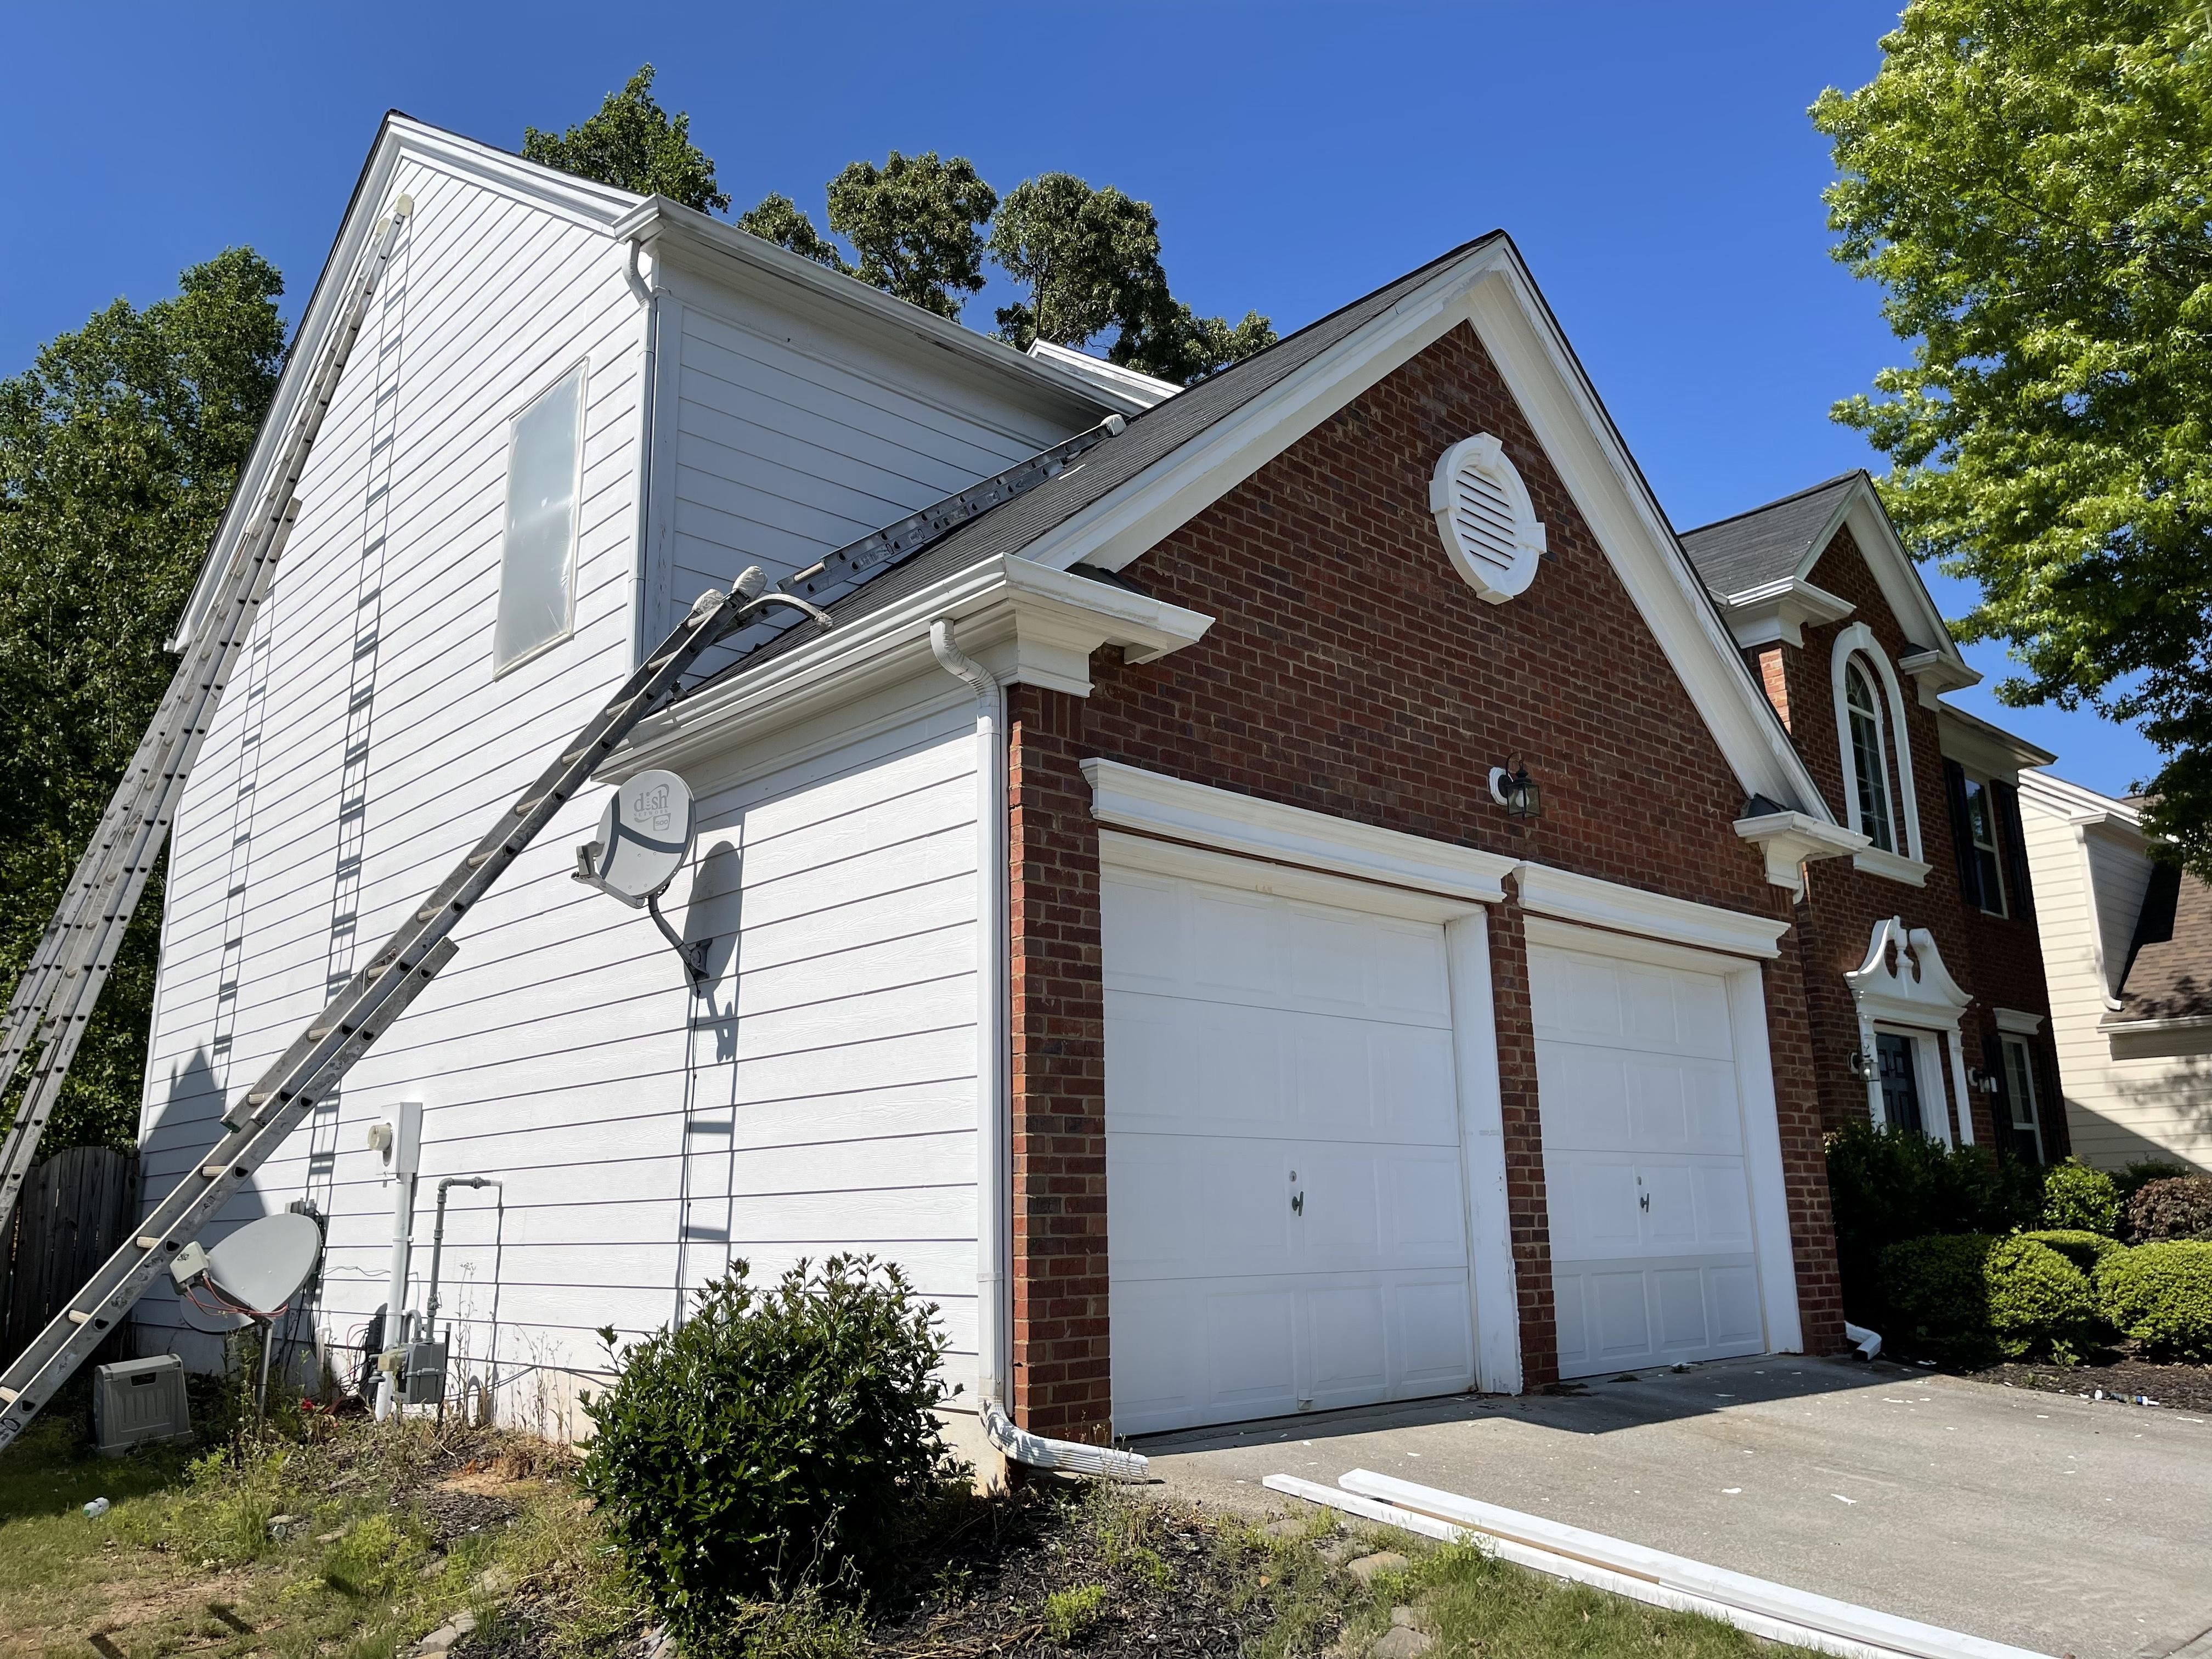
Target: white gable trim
1919 994
1907 864
1490 290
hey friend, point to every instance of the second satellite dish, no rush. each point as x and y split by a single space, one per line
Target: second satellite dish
645 835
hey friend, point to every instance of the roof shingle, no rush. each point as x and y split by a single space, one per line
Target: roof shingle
1768 542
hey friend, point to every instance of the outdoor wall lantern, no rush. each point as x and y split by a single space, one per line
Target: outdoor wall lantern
1983 1080
1861 1067
1512 788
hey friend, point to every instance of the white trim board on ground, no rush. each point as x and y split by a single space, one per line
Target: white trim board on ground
1757 1605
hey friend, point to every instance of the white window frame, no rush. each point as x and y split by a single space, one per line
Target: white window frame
2010 1045
580 372
1908 863
1994 846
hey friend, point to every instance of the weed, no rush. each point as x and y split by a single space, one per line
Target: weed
1069 1614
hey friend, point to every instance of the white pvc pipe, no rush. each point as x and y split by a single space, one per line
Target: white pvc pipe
406 1162
1846 1620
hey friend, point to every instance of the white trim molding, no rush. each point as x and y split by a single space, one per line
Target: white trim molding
1791 841
1590 902
1859 639
1153 804
1777 612
1902 982
2019 1022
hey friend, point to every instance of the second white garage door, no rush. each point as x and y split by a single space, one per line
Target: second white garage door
1286 1210
1653 1257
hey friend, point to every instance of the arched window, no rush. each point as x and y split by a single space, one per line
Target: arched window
1869 760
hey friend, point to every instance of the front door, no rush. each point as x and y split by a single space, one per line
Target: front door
1901 1082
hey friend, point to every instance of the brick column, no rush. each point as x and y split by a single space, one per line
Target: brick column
1804 1152
1062 1373
1525 1201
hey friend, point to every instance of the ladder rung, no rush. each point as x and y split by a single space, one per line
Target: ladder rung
212 1171
147 1241
261 1096
427 911
77 1318
523 809
477 861
9 1396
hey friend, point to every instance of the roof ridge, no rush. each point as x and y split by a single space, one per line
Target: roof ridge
1779 501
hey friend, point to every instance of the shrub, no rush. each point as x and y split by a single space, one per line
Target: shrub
1891 1185
777 1441
2133 1177
2161 1296
1967 1298
2084 1249
2040 1303
2179 1207
2079 1199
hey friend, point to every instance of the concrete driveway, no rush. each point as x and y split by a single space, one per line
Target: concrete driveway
2060 1524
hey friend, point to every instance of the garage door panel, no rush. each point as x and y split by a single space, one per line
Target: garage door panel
1258 1050
1643 1158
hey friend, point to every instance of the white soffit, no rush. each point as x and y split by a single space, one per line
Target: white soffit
1595 903
1152 803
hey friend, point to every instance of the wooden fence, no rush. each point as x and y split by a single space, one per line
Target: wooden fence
77 1207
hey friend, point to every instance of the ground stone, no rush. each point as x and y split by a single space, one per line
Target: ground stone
1400 1642
1367 1567
447 1634
1406 1616
1286 1528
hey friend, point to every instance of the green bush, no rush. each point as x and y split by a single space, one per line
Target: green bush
1968 1298
2161 1296
2084 1249
2078 1199
2177 1207
1887 1186
2133 1177
777 1440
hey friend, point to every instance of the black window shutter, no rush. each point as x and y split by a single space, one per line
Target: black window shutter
1962 834
2012 848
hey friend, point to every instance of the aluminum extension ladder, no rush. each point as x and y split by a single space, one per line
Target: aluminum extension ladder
58 989
379 993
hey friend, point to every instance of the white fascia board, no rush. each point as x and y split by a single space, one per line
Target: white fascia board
1942 666
1788 841
1027 624
1153 804
2077 804
1152 389
1982 747
733 252
1777 612
1592 902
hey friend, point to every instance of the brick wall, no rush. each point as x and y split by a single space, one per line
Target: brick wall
1996 959
1352 672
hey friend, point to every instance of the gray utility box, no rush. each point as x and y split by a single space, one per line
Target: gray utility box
139 1402
423 1373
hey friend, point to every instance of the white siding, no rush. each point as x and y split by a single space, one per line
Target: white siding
822 1098
2116 1110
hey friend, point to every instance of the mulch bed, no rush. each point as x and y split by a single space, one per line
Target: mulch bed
2185 1388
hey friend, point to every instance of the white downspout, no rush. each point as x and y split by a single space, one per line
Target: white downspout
648 293
994 1090
406 1164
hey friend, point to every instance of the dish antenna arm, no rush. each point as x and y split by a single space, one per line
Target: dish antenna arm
692 950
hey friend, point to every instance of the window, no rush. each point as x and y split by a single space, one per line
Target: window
2020 1092
537 557
1981 814
1869 763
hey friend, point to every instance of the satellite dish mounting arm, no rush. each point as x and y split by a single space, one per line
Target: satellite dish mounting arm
692 950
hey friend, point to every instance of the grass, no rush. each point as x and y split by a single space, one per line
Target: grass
382 1534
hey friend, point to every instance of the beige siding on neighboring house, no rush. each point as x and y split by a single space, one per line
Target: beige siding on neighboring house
2089 883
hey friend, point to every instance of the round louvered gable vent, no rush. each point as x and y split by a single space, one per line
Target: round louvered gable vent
1489 525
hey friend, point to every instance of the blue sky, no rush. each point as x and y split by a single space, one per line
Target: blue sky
1653 162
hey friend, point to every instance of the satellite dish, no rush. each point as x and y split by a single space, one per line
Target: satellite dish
645 835
260 1265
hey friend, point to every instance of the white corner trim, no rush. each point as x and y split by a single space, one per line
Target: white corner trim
1858 639
1891 867
1775 613
1151 803
1791 841
2018 1022
1492 1277
1591 903
1026 624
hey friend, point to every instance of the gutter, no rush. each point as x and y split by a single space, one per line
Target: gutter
994 1090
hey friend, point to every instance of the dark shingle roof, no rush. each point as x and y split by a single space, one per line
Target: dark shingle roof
1766 543
1150 437
2169 973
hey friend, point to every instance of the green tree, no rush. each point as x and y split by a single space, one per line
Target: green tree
118 450
1091 261
916 223
2030 182
632 144
780 219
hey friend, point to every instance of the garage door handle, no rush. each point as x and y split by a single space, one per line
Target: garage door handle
1298 1203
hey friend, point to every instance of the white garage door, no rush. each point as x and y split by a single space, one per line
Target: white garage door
1284 1204
1652 1253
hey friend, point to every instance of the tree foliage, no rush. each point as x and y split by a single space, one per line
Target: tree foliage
633 144
118 450
2030 182
780 219
917 223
